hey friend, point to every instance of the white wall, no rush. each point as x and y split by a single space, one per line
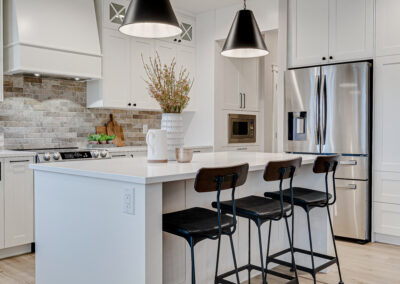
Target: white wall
199 126
210 26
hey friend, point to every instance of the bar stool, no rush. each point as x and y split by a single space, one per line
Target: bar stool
260 210
309 199
197 224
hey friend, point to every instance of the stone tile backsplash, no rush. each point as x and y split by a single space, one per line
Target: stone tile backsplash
51 112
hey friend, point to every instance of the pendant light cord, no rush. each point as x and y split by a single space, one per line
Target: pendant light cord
244 4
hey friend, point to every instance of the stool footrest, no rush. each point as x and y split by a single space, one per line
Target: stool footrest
331 260
220 278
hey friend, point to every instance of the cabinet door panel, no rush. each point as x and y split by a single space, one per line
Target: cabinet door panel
351 29
18 202
308 37
386 219
186 58
230 83
387 27
386 114
248 83
2 204
116 70
140 94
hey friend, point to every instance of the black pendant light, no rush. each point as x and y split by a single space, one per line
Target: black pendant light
150 19
244 38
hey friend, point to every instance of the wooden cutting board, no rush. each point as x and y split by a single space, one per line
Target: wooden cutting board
101 130
113 128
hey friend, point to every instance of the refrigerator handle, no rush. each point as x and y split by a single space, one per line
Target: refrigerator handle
317 95
323 110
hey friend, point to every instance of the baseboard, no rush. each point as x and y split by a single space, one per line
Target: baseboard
9 252
381 238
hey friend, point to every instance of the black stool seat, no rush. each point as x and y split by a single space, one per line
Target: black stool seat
302 196
195 222
255 207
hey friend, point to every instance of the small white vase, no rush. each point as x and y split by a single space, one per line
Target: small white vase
173 124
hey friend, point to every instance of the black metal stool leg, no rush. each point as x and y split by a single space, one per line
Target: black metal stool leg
261 252
293 268
291 250
311 247
249 270
334 245
268 244
216 267
192 254
234 259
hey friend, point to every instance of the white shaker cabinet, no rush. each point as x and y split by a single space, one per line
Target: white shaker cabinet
329 31
139 96
308 32
386 157
2 233
387 27
237 83
113 90
18 202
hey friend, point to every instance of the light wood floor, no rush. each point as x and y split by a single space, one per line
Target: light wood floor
366 264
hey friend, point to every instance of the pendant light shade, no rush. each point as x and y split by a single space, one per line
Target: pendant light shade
150 19
244 39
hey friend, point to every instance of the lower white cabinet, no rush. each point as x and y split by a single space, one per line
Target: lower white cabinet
18 202
2 233
387 219
242 148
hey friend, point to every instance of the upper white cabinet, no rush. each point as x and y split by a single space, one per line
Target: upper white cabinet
308 32
2 220
329 31
123 84
387 27
236 83
18 202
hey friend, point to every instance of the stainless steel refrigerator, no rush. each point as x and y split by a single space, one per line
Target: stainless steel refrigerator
328 111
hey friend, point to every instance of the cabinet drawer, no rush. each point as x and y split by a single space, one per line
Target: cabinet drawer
243 148
387 219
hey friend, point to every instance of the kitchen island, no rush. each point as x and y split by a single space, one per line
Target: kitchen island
101 221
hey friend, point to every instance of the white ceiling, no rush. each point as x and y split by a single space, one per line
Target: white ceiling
199 6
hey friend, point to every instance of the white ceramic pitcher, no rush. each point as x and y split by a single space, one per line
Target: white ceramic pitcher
157 149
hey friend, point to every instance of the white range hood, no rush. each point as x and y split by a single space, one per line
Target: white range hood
52 37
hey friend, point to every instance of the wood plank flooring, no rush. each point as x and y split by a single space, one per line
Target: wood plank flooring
361 264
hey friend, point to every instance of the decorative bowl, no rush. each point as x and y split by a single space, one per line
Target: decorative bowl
184 155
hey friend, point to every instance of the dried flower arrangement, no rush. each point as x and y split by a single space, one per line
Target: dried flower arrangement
170 90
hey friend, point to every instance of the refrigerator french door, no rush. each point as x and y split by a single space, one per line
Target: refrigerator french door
327 111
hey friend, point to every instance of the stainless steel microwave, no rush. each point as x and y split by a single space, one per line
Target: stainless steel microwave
242 128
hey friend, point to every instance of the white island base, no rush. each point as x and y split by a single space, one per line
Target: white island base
86 232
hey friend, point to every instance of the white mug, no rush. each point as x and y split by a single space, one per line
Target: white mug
157 149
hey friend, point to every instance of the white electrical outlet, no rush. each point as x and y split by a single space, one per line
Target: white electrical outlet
128 201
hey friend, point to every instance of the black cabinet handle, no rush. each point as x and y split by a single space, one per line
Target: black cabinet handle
244 99
324 58
20 161
241 100
330 57
180 40
134 105
175 39
129 104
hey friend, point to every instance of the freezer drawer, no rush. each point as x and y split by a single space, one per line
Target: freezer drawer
353 167
350 212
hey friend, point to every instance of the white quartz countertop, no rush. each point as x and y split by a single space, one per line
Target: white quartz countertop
137 170
15 154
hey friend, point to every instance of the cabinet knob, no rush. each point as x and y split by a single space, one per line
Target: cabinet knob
129 104
324 58
180 40
175 39
134 105
330 57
